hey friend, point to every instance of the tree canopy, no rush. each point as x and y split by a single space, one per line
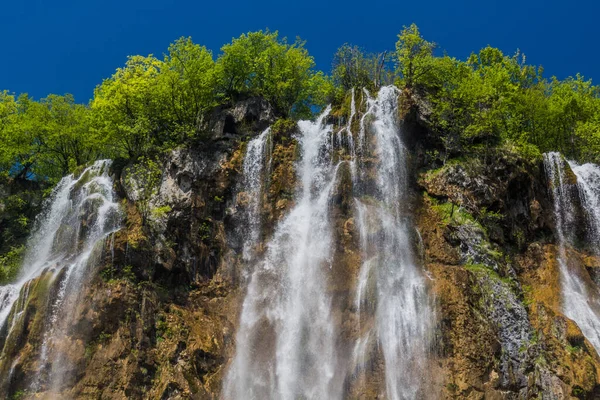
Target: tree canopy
492 98
152 104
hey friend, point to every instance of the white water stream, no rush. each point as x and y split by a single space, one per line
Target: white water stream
580 301
288 344
79 215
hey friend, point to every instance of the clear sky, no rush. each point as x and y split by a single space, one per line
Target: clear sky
69 46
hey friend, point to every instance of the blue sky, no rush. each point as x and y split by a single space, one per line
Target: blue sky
69 46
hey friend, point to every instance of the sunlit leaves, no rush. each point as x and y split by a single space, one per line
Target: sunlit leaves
492 98
262 64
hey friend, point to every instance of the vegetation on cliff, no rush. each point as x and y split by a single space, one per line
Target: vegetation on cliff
483 234
152 104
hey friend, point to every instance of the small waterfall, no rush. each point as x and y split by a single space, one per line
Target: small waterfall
67 239
580 301
256 163
289 342
588 182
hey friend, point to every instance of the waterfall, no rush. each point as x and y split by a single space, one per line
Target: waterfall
67 238
403 309
580 301
286 336
588 182
289 343
256 161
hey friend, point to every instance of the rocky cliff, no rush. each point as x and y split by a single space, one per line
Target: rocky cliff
159 316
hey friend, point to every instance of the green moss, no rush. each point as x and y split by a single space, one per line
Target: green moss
451 213
481 268
18 395
342 106
578 392
527 295
282 130
519 237
205 230
77 171
104 338
35 310
39 297
452 387
83 179
573 349
110 274
433 173
163 330
159 212
490 216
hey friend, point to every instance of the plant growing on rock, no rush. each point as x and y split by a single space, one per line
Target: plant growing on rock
144 177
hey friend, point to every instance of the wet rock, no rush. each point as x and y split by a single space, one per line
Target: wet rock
183 225
509 318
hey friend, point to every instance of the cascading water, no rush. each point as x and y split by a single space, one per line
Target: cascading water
286 337
68 238
289 343
403 309
588 182
580 301
257 160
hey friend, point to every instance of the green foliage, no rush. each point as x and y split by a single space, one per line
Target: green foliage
352 68
188 75
145 176
573 349
578 392
205 231
44 139
528 298
129 110
414 54
19 394
163 330
492 98
151 104
159 212
19 204
453 214
261 64
110 274
104 338
284 126
452 387
10 263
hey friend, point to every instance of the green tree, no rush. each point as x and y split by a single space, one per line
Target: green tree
260 64
64 134
129 108
415 55
8 114
352 68
188 76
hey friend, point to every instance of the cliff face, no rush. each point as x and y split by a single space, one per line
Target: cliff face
158 317
486 230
